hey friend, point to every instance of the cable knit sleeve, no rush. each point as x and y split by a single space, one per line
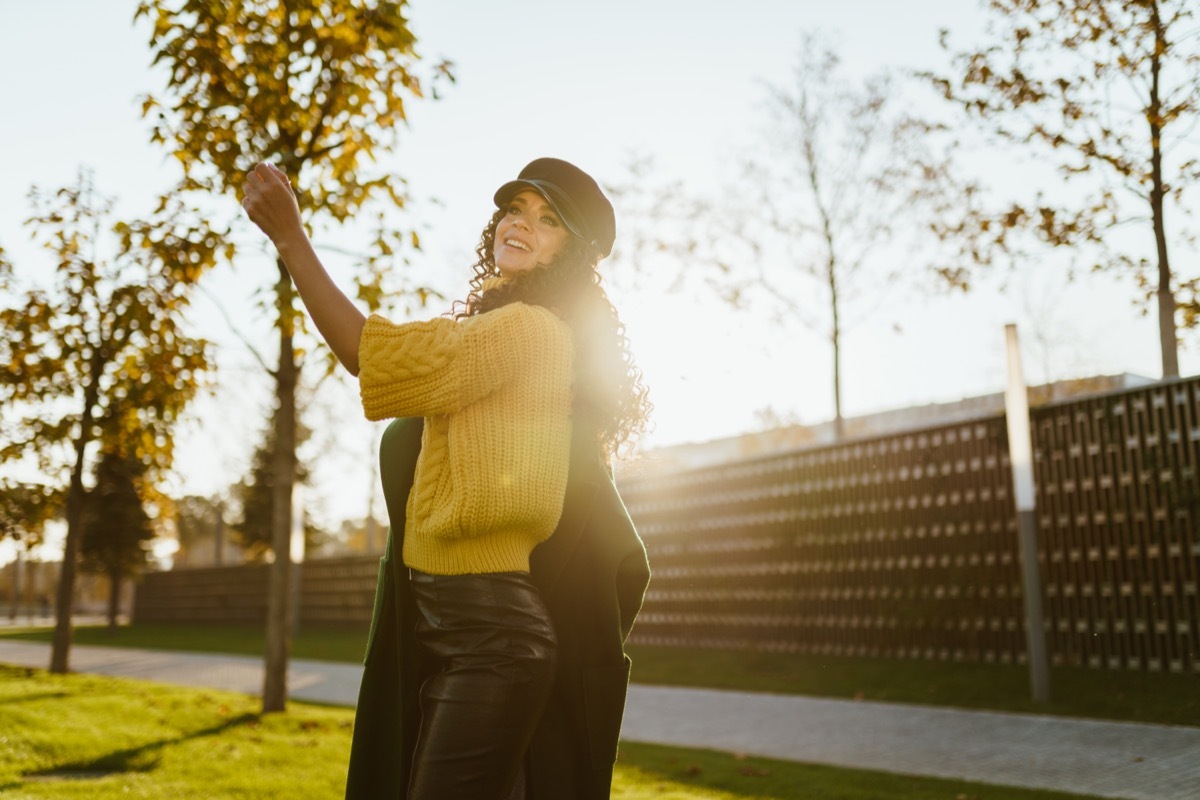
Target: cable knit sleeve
440 366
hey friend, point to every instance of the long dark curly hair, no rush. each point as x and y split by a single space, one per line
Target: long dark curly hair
610 396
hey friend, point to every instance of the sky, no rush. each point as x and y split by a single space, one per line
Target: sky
592 83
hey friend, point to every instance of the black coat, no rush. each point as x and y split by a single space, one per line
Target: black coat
592 574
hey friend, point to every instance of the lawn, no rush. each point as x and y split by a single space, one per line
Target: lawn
1104 694
327 644
100 738
1129 695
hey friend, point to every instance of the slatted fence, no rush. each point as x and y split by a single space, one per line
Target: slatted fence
1119 525
901 546
897 546
906 545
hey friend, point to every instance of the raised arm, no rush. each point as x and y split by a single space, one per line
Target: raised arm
271 205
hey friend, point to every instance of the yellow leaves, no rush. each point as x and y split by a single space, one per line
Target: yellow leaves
330 72
318 88
370 294
162 25
103 344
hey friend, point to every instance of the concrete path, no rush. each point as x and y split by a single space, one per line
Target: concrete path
1104 759
311 681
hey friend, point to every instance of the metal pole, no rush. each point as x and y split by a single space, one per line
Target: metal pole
16 584
297 554
219 534
372 529
1020 447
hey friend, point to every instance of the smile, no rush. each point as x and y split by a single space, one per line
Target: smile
518 245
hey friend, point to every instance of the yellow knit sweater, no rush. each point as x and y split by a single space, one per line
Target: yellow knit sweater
495 391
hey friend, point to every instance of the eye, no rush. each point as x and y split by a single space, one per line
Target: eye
513 209
551 221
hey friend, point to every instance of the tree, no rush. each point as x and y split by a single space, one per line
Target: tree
116 528
102 355
320 90
827 207
198 519
25 508
1108 91
252 529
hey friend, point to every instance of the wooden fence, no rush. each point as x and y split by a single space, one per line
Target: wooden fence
333 592
899 546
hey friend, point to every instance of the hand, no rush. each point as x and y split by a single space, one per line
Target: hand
271 204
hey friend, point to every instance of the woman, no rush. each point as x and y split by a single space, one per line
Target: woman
524 395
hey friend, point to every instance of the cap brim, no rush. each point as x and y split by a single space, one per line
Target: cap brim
560 204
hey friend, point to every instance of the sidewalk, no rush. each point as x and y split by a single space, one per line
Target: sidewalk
1105 759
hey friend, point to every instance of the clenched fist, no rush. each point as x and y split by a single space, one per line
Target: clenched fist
271 204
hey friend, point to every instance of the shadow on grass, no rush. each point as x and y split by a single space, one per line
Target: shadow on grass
651 766
143 758
33 698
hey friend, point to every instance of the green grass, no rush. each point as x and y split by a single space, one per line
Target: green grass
667 773
81 736
1135 696
339 644
100 738
1103 694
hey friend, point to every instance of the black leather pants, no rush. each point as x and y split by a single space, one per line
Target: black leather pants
493 647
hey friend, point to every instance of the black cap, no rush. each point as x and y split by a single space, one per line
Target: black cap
575 196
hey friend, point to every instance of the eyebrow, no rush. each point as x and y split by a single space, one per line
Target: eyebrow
541 201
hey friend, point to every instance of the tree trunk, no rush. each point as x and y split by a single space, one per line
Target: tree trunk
60 650
65 595
831 270
114 598
839 425
279 605
1166 297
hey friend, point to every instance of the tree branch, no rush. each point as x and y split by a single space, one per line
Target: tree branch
236 332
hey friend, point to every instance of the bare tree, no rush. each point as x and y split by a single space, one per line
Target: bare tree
826 211
1107 92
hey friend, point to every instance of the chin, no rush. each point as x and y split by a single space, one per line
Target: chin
514 269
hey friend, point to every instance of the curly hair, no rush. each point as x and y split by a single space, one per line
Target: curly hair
609 393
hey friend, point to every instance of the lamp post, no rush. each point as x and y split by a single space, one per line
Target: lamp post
1020 451
16 583
297 554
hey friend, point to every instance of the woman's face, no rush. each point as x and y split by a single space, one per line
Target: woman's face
528 235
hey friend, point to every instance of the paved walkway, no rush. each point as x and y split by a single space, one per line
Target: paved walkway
1104 759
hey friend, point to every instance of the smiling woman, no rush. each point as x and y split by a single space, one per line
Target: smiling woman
522 570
